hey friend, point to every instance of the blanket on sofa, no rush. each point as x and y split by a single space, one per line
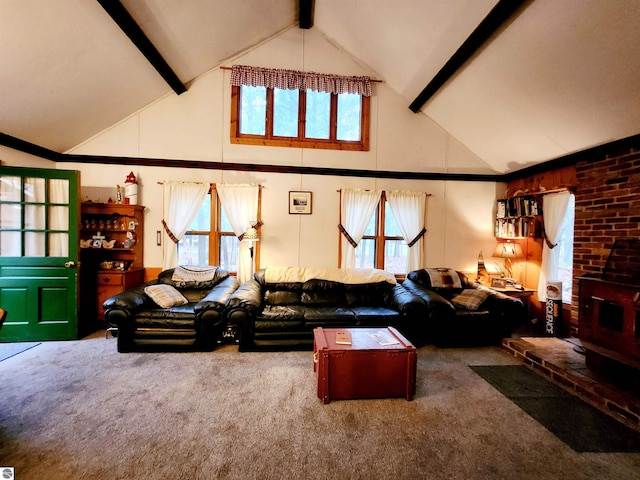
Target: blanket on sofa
192 276
275 274
444 278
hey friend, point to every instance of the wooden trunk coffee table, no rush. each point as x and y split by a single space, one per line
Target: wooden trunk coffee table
366 368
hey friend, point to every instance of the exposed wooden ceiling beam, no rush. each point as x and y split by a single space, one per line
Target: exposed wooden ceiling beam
305 18
590 154
27 147
129 26
496 18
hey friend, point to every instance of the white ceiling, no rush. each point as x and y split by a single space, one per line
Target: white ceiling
563 76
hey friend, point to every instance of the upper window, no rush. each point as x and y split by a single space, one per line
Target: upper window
296 109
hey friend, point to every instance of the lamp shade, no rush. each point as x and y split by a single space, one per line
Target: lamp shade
250 234
508 250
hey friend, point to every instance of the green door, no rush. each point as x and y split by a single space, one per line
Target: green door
39 254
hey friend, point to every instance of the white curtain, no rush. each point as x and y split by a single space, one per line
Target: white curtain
59 217
554 209
356 210
182 201
240 203
10 217
409 210
34 217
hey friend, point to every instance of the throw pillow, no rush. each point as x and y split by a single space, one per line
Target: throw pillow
471 298
165 296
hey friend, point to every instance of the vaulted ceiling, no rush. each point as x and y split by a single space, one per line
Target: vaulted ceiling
556 78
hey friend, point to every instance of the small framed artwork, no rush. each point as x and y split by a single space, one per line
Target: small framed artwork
499 283
97 242
300 202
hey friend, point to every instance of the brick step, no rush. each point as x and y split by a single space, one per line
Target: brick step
558 360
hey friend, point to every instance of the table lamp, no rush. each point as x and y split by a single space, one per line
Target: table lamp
509 251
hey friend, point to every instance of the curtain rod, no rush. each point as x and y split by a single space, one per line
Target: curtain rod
370 79
367 190
161 182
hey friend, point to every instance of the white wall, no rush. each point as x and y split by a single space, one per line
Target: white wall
15 158
195 126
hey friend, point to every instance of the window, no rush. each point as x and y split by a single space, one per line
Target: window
382 245
565 244
296 109
34 216
296 118
204 245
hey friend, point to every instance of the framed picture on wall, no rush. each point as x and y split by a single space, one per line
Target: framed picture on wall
300 202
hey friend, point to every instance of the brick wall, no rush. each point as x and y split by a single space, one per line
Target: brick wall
607 207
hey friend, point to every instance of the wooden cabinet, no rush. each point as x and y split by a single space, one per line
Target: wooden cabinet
111 249
609 320
519 217
110 283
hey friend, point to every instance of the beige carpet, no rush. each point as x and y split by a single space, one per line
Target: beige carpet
80 410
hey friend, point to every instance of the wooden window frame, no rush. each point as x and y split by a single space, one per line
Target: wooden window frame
300 141
216 232
379 238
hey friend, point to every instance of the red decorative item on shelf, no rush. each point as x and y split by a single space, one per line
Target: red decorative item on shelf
131 189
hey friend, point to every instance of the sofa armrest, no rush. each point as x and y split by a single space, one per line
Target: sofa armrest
437 305
242 307
217 297
247 296
209 312
122 307
408 303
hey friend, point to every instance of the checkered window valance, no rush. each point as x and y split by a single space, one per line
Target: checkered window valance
295 80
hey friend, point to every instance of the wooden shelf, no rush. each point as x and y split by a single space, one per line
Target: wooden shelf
98 283
518 217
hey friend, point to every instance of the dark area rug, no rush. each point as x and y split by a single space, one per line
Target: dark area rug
8 350
581 426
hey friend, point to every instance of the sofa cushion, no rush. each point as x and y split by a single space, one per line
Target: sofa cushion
370 294
182 312
321 315
375 316
282 297
280 318
322 292
280 312
471 298
165 296
165 322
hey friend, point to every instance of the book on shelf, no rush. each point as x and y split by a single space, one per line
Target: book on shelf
343 338
383 338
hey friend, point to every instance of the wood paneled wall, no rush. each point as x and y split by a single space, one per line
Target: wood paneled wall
529 268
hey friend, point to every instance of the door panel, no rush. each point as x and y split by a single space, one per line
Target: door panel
38 236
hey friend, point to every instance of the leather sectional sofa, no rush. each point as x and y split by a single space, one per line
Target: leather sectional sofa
188 310
460 312
281 306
